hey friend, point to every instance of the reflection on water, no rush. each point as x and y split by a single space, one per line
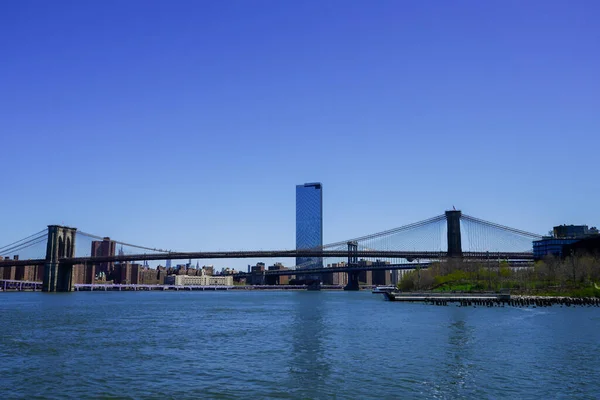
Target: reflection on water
309 366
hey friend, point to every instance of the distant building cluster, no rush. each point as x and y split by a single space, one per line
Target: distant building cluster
257 275
566 238
136 273
562 240
375 277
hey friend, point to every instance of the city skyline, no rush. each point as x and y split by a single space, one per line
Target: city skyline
402 110
163 166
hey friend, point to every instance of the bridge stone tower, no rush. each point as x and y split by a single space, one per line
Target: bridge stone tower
454 240
58 277
353 283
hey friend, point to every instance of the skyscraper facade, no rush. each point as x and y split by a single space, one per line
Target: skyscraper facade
309 222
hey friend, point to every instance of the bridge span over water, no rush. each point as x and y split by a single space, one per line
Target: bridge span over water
452 235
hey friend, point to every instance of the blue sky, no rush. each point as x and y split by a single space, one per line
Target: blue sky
187 124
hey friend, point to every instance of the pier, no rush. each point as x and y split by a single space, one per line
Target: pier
492 299
445 298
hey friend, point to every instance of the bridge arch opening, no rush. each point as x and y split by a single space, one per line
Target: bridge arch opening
61 247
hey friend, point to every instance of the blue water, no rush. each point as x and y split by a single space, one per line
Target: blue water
290 345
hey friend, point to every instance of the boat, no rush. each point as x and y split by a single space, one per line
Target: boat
384 289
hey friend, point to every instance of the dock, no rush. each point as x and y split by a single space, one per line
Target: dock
445 298
492 299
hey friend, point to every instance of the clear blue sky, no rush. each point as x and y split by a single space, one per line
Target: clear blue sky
187 124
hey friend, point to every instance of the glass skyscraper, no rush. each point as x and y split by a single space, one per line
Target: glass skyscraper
309 222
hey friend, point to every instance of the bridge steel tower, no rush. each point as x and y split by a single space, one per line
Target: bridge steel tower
352 262
454 240
58 277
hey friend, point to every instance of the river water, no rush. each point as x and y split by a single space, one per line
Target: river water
290 345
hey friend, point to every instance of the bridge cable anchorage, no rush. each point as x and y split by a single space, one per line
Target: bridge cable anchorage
43 231
126 244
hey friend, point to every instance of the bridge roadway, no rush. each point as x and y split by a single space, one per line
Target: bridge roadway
379 254
359 268
329 270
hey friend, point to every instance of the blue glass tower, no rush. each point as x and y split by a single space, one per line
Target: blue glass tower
309 221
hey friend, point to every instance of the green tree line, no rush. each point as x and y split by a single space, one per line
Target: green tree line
577 275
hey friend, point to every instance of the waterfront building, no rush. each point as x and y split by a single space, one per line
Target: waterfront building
550 246
9 273
570 231
104 248
257 275
276 279
84 273
336 278
200 280
365 277
128 273
562 235
398 274
382 277
26 273
20 273
309 223
589 245
395 277
149 276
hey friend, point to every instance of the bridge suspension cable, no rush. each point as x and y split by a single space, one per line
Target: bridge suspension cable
388 232
482 236
44 231
24 243
89 235
503 227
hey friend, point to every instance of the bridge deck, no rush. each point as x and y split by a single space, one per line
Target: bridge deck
410 255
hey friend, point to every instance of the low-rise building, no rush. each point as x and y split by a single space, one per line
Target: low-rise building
381 276
336 278
199 280
277 279
365 277
257 275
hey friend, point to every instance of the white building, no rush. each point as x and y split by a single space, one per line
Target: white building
202 280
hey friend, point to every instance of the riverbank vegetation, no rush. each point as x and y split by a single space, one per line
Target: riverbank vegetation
577 276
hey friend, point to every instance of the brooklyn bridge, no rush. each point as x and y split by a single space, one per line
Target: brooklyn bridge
452 235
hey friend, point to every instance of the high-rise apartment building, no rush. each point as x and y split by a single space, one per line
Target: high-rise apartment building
104 248
309 222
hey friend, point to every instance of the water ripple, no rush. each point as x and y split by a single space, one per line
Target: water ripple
290 345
